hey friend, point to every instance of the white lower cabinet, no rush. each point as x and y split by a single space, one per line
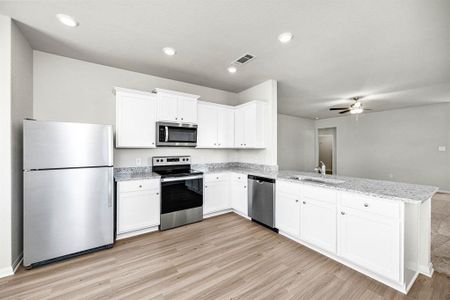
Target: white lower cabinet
138 205
216 193
370 241
287 212
239 193
318 223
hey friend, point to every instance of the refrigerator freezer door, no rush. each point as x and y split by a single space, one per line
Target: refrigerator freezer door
51 145
67 211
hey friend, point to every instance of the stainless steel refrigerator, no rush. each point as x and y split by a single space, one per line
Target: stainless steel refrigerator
68 189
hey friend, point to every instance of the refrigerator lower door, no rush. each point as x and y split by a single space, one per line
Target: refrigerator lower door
67 211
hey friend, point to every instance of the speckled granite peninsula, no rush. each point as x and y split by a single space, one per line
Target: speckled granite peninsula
377 188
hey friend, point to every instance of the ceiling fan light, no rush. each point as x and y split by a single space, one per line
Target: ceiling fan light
356 110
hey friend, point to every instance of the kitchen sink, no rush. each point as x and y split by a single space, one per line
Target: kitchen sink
322 180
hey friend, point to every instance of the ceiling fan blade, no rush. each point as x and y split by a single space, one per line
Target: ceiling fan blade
344 111
338 108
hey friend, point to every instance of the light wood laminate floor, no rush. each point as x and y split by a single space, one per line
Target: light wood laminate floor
220 258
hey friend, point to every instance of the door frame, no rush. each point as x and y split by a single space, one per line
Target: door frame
334 147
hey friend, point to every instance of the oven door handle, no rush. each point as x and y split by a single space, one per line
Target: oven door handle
181 178
167 133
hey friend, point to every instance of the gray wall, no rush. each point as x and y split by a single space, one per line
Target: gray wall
72 90
295 143
399 145
21 107
5 146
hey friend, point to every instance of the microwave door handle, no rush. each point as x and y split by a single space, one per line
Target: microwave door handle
167 134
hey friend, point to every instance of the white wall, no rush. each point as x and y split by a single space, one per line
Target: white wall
21 107
72 90
5 145
267 92
296 137
399 145
16 103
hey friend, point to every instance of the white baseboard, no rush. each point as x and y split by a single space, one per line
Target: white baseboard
427 270
16 264
137 232
8 271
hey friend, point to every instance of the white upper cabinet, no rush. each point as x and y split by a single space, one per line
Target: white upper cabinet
215 126
135 119
250 125
176 107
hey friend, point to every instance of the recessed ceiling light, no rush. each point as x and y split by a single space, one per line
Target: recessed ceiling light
285 37
169 51
232 70
67 20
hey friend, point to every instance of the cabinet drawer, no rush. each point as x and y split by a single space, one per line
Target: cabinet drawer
318 193
286 187
138 185
216 177
239 177
368 204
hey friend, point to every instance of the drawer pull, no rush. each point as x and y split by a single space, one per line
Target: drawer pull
296 200
140 186
217 177
366 205
245 186
304 202
157 193
342 213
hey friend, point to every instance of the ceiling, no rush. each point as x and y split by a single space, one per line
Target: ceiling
394 52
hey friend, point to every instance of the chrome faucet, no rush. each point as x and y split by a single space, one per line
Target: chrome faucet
321 169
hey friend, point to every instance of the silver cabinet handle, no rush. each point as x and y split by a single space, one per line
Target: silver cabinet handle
304 202
342 213
296 200
176 118
366 205
140 186
181 119
217 177
157 193
245 186
206 186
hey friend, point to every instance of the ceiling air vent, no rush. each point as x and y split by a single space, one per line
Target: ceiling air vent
244 59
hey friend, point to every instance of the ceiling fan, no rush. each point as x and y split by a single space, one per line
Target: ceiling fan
354 108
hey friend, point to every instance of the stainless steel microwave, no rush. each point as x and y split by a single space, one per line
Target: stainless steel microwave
176 134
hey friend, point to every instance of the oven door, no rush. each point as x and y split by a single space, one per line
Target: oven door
176 134
181 193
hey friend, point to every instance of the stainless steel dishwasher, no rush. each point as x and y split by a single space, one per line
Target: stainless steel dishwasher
261 200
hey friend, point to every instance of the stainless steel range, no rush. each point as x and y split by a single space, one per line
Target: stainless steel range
181 191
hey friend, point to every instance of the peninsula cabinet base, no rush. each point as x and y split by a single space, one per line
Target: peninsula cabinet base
394 252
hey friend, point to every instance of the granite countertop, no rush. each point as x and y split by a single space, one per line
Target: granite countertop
406 192
134 173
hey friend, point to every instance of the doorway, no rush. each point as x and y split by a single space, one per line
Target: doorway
326 139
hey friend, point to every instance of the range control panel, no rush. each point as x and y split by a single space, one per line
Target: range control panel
170 160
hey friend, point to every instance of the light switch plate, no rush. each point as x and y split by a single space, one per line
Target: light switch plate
442 148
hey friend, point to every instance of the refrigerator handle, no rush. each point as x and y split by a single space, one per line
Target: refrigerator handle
110 188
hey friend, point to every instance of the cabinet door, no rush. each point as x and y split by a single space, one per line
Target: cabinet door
215 197
250 126
239 128
187 110
318 224
135 121
238 196
137 210
370 241
167 107
225 130
207 126
287 214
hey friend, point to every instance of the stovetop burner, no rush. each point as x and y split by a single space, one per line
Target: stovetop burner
173 166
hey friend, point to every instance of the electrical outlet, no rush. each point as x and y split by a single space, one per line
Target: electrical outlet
138 161
391 175
442 148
